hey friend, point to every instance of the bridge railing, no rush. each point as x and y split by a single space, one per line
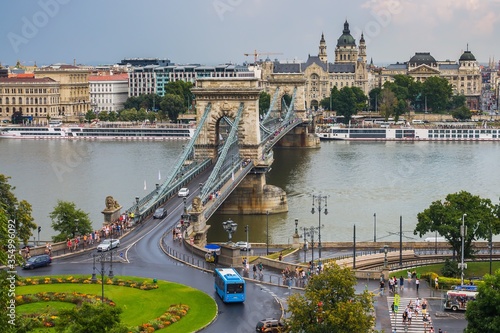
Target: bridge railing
226 191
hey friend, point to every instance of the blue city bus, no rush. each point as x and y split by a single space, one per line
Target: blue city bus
229 285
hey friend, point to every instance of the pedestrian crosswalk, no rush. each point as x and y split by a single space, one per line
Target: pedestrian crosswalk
417 324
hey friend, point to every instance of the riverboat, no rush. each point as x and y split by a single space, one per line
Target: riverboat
406 133
167 132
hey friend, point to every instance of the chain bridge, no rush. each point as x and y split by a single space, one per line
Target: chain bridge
225 162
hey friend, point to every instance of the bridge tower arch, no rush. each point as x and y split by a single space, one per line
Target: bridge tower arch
225 96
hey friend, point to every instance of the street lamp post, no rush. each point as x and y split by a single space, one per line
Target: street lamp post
319 200
267 232
102 271
230 226
386 249
76 227
296 226
305 242
463 233
374 227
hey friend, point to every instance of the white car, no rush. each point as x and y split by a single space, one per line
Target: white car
108 244
183 192
243 246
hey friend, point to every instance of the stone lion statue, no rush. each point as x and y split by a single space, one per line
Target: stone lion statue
196 205
111 203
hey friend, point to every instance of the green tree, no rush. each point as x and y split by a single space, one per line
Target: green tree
151 116
17 211
91 318
113 116
446 218
450 268
360 98
264 102
374 98
90 115
128 115
438 92
346 104
103 116
388 103
69 221
457 101
400 109
462 113
172 105
141 115
330 304
482 314
181 89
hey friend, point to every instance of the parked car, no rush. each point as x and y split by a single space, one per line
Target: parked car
269 325
160 213
243 246
108 244
184 192
37 261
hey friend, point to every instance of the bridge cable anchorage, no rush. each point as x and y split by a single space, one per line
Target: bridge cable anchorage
208 186
157 194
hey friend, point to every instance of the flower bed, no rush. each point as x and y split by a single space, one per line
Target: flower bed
143 285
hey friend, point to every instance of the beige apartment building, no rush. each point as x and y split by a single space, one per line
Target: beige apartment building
74 88
36 99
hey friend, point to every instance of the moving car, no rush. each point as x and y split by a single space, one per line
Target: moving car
184 192
243 246
269 325
37 261
108 244
160 213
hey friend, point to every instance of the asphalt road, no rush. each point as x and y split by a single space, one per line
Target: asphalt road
139 254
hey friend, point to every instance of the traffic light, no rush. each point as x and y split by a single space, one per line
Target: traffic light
246 228
39 229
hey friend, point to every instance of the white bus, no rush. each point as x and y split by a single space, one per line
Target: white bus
55 123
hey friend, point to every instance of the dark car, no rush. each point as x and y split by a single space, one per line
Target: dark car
37 261
269 325
160 213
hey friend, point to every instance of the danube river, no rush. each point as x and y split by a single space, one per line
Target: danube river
389 179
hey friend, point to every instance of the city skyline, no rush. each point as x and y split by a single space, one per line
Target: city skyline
222 31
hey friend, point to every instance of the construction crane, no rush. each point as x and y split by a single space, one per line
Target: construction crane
256 54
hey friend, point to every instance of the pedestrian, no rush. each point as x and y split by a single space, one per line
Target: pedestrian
401 283
409 317
281 256
254 271
436 283
393 309
424 307
417 283
382 286
440 331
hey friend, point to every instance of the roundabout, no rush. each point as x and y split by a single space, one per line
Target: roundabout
147 305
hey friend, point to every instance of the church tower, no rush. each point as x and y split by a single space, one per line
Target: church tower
362 48
322 49
346 50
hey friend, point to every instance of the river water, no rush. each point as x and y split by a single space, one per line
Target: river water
360 179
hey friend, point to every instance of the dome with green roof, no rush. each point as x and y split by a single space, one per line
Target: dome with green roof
346 39
467 56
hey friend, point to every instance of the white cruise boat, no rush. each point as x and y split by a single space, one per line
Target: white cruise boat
431 133
167 132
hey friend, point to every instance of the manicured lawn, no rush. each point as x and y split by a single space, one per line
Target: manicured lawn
474 269
43 306
141 306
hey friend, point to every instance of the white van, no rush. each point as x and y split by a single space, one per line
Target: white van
417 121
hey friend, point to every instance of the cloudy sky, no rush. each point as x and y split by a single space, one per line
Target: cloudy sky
221 31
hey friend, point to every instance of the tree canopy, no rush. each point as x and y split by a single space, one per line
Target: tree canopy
482 314
171 106
90 318
264 102
437 91
479 215
69 221
17 211
330 304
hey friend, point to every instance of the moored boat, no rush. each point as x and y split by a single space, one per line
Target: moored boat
406 133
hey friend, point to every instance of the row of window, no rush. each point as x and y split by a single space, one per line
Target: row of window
24 110
21 91
29 100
